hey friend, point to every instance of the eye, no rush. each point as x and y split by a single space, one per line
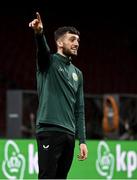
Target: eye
72 39
78 40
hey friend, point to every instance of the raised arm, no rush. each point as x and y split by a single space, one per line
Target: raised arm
36 24
43 50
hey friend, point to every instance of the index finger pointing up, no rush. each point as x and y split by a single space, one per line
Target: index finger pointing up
38 16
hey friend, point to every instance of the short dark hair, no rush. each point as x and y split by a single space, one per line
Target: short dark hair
62 30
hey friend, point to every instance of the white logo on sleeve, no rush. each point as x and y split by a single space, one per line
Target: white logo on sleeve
75 77
61 69
105 161
13 166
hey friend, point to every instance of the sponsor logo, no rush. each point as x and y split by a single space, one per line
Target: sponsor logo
13 165
123 161
105 161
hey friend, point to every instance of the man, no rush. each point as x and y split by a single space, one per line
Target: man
60 116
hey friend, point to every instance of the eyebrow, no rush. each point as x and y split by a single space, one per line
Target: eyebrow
73 36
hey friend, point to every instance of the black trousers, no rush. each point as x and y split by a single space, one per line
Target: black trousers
55 154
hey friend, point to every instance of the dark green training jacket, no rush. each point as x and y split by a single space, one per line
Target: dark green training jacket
60 93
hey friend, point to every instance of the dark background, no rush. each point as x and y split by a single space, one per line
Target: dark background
108 47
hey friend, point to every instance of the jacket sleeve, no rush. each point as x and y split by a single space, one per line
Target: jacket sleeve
80 112
42 52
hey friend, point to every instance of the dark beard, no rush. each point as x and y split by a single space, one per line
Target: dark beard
68 53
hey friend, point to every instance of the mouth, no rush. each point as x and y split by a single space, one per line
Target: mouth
74 49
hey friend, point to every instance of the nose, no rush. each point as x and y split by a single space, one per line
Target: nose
76 43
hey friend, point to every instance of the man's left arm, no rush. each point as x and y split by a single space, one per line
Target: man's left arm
80 120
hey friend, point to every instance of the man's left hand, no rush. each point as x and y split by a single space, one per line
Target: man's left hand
83 152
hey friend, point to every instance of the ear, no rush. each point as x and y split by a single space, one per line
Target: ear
59 43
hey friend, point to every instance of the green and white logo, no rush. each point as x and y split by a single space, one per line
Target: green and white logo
122 160
75 77
13 165
105 161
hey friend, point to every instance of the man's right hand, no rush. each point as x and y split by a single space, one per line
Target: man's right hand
36 24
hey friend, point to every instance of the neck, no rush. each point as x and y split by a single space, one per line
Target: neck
61 53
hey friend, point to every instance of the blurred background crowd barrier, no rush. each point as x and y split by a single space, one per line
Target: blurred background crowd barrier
108 116
111 116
